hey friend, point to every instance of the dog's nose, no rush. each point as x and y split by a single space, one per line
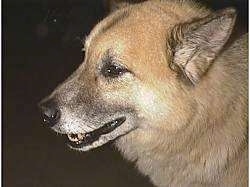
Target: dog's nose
50 113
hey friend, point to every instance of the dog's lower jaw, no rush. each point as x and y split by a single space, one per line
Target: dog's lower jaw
104 135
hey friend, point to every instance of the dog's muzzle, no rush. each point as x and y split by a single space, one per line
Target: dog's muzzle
85 140
50 113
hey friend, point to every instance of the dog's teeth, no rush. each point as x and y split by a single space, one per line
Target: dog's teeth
72 137
79 142
80 136
76 138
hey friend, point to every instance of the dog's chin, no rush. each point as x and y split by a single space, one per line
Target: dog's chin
100 136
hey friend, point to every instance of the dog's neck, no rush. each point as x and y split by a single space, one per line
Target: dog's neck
197 160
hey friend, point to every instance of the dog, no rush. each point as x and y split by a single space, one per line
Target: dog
162 81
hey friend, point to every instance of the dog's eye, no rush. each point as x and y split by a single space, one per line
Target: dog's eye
113 70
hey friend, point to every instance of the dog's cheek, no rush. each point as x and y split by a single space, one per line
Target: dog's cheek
167 108
120 95
145 101
149 104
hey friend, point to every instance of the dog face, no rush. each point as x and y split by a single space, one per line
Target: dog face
132 82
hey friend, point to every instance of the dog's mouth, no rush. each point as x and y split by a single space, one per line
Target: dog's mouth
81 140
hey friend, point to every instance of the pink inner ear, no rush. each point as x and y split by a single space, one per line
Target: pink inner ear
201 44
215 33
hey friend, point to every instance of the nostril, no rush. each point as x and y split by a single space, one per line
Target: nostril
50 113
50 116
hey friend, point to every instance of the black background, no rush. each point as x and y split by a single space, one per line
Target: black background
33 63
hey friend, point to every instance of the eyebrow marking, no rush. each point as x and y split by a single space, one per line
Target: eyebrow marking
108 56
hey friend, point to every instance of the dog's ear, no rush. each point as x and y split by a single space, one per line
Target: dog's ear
113 5
195 45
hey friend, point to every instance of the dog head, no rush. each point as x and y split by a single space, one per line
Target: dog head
142 67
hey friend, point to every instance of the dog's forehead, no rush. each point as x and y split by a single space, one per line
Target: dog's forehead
148 16
137 34
130 35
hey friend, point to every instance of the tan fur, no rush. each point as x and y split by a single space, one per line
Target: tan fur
211 150
187 135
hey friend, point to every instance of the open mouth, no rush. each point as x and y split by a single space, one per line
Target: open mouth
83 139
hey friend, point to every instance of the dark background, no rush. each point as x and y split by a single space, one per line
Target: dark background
41 46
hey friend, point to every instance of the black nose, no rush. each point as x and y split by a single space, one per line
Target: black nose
50 112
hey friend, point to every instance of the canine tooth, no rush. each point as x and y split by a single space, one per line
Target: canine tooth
80 136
